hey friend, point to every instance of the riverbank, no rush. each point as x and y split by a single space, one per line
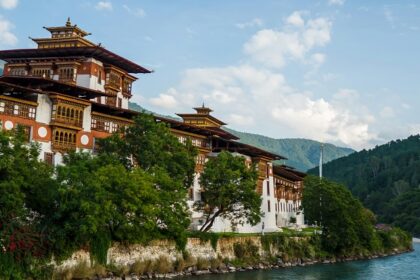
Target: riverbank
229 268
403 266
214 254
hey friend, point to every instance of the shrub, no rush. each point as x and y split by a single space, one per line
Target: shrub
247 250
163 265
82 270
203 263
180 264
140 267
216 263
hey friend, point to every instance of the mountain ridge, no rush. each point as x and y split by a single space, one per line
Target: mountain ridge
302 153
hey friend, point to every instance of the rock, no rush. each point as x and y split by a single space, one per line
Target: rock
201 272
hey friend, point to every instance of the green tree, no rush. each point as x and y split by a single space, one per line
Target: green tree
385 179
23 178
99 199
346 225
229 191
151 145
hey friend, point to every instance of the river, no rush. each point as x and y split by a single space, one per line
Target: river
404 266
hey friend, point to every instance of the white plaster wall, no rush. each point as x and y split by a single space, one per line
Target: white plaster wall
87 118
90 81
58 159
125 103
43 111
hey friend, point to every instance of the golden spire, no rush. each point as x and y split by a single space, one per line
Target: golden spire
68 23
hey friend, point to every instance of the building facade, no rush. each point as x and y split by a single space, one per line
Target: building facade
68 92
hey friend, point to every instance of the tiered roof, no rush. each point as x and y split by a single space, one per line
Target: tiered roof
288 172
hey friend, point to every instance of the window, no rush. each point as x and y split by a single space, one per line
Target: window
67 74
17 72
41 72
100 77
268 188
49 158
64 139
95 147
68 114
114 127
268 206
201 159
191 193
120 102
27 131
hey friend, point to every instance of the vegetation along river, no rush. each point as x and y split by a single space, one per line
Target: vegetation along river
404 266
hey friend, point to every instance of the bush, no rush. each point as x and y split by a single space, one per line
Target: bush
203 263
180 264
247 250
163 265
140 267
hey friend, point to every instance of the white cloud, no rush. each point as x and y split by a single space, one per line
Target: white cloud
274 47
295 19
8 4
318 58
104 5
405 106
336 2
7 38
389 16
256 22
138 12
240 120
387 112
256 97
167 101
261 101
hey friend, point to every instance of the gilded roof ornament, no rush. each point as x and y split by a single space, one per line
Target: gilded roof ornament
68 23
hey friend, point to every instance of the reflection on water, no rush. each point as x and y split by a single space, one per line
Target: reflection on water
405 266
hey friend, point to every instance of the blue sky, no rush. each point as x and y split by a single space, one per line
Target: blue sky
339 71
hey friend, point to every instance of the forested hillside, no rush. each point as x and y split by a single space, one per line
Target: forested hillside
386 179
301 153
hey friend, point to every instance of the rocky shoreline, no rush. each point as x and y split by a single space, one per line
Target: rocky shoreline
230 268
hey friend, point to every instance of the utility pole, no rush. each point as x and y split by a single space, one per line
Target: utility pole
321 159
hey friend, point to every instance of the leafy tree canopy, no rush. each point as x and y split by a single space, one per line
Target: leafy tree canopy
229 191
345 224
151 146
25 195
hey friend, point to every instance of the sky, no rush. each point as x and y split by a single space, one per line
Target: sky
339 71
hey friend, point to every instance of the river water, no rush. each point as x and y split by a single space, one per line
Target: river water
404 266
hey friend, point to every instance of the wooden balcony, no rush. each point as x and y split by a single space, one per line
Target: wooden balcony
16 107
63 140
63 146
67 80
67 122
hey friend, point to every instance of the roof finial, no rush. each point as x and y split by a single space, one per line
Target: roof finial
68 23
203 105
